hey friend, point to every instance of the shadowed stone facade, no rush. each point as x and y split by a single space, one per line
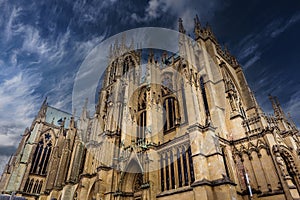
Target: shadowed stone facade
175 129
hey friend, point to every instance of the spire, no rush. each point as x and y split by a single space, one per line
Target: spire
111 51
85 114
43 109
197 27
276 107
123 41
45 102
72 123
132 44
116 48
290 119
180 26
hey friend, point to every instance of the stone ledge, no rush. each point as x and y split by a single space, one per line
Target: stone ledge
213 183
208 155
174 191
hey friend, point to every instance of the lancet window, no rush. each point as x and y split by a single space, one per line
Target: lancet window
33 186
177 168
128 63
41 156
169 113
113 71
142 115
204 96
142 125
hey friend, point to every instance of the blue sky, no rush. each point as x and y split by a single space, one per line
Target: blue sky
43 43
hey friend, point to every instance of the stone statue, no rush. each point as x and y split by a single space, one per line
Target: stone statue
281 165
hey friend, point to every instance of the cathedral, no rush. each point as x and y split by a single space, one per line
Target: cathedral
174 129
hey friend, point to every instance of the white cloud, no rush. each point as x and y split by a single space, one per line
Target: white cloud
252 60
184 9
18 105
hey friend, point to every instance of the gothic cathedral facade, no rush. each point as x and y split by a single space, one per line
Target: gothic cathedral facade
169 131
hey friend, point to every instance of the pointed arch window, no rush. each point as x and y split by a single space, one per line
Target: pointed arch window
40 187
142 125
167 172
185 167
26 185
172 170
128 63
179 168
41 156
204 96
191 165
35 186
169 113
179 159
30 186
162 179
36 157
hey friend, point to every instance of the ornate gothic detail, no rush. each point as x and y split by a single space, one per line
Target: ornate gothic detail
162 128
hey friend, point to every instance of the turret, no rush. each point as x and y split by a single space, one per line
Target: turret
180 26
276 107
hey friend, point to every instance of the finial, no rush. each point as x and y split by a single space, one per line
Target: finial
197 27
84 113
275 105
45 101
111 51
181 28
150 56
132 44
72 122
116 48
123 41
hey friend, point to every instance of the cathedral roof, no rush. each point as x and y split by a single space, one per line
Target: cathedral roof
56 116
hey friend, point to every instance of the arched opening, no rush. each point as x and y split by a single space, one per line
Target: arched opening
132 181
292 171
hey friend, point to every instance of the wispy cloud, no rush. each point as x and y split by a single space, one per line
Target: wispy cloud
253 45
293 105
34 65
252 60
285 25
14 13
19 102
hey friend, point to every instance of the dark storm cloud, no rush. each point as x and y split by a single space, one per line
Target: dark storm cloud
7 150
